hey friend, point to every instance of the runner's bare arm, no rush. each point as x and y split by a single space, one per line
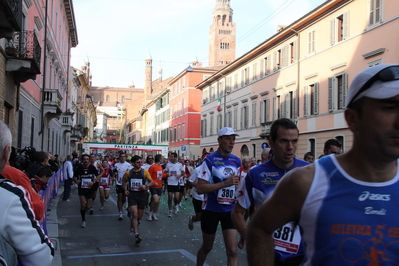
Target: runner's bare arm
283 206
237 215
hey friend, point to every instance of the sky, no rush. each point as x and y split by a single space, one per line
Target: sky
117 36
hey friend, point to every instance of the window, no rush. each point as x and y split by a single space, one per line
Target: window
311 41
277 60
337 87
375 12
339 28
123 99
266 63
219 122
107 98
341 139
375 62
32 130
227 120
255 71
236 81
213 93
277 107
254 150
20 128
244 117
311 99
235 118
289 106
254 114
182 107
211 126
292 53
264 111
312 146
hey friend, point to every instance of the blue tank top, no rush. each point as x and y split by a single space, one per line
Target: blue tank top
346 221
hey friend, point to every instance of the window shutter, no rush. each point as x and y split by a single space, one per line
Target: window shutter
242 118
330 94
267 110
287 106
262 112
275 61
295 53
346 25
316 98
344 88
294 105
282 108
332 31
261 67
275 108
305 101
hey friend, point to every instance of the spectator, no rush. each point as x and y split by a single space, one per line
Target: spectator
332 146
18 228
68 176
309 157
39 182
42 159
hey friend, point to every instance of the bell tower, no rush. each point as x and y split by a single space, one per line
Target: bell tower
222 35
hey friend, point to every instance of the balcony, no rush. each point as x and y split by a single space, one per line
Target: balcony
23 55
76 134
10 17
265 133
52 103
66 122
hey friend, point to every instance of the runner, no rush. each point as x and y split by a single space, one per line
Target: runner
148 162
120 169
134 185
174 171
104 184
85 176
157 174
218 180
260 183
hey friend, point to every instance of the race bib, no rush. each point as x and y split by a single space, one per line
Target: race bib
104 181
86 183
287 238
135 184
226 195
159 175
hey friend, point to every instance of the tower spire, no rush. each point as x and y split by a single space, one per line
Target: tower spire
222 32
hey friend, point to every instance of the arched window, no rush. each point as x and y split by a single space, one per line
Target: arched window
244 151
211 150
123 99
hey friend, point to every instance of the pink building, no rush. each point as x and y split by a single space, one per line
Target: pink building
185 105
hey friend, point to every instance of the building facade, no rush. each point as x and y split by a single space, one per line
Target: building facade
301 73
36 39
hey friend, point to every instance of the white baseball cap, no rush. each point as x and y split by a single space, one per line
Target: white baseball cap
227 131
377 82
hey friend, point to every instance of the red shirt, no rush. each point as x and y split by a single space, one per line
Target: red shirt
21 179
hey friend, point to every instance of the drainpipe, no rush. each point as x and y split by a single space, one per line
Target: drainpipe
44 76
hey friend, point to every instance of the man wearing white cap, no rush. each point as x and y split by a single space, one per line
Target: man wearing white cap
217 179
346 205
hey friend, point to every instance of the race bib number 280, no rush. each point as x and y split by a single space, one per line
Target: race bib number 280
226 195
287 238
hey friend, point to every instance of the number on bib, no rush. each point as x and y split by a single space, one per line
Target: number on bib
226 195
135 184
287 238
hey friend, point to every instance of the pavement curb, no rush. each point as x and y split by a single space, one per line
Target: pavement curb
52 227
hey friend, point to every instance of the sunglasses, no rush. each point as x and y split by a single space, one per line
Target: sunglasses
138 162
387 74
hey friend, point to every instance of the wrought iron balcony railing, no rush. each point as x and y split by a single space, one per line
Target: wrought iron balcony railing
25 46
10 17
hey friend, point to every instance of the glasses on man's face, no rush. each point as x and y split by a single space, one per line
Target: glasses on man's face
387 74
138 161
150 158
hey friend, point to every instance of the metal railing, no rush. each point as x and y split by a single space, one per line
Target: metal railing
24 45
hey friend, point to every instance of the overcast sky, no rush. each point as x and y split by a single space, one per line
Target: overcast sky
117 36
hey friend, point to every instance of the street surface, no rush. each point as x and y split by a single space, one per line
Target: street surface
108 241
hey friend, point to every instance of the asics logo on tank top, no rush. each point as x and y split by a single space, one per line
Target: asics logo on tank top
366 195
